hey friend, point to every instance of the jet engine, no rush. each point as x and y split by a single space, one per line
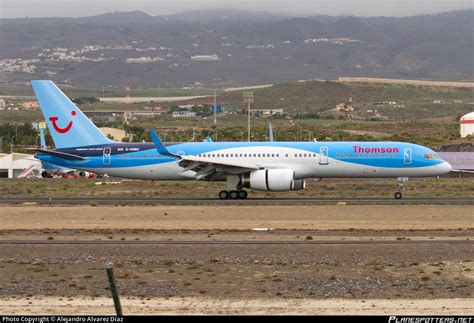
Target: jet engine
272 180
83 174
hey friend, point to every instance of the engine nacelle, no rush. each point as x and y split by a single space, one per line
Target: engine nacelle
272 180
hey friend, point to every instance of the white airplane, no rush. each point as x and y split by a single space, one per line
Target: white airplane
265 166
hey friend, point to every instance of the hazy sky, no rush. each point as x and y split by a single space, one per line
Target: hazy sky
78 8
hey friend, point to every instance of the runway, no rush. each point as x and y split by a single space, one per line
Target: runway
239 242
249 201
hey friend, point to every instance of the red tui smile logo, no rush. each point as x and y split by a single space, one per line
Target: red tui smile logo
57 128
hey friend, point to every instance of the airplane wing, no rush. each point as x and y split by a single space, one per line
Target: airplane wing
204 167
207 167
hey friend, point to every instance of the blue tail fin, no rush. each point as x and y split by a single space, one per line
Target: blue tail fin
69 127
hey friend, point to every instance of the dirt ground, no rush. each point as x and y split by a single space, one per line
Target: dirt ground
207 306
433 277
321 217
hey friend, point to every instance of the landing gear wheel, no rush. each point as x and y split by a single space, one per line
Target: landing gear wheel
233 195
398 195
243 195
223 195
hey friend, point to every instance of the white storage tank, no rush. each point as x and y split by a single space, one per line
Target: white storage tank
467 125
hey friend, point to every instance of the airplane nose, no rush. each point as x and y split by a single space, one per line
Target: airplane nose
445 167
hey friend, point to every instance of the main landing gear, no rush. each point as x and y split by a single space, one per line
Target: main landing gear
233 195
234 189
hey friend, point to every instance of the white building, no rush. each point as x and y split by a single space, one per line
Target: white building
184 114
213 57
18 165
268 112
467 125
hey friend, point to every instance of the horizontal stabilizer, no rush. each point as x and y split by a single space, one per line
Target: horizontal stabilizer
59 154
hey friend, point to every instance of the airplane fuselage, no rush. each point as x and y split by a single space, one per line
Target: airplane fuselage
307 159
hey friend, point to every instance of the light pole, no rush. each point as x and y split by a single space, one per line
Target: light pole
248 98
215 107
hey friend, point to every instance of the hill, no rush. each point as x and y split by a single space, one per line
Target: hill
249 48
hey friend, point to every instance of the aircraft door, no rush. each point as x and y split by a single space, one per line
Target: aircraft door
407 156
107 156
323 156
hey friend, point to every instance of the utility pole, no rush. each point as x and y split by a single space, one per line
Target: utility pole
248 98
215 106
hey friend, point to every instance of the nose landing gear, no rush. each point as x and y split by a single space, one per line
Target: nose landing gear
401 187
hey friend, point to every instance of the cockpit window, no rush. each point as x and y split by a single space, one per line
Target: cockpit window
431 156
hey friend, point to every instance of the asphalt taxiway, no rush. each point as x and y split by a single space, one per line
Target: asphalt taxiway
235 242
249 201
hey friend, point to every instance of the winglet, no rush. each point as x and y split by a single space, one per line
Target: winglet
160 147
270 130
208 139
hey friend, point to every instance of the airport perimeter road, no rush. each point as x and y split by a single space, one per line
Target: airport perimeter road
249 201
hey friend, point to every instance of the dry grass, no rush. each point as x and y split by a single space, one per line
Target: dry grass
342 188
